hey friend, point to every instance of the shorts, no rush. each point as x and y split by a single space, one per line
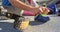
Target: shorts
13 10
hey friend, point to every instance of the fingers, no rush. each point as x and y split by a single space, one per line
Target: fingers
36 10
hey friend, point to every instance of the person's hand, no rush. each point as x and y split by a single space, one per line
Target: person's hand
36 10
39 10
44 10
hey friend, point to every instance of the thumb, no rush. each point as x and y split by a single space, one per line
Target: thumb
41 10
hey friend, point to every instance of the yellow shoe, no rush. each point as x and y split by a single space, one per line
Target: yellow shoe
23 24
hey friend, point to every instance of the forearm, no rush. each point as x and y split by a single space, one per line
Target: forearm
20 5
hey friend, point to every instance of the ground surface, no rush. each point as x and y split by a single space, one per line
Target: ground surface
51 26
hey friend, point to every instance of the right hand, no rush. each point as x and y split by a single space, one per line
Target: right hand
36 10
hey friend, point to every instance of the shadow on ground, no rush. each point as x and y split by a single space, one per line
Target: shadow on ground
32 23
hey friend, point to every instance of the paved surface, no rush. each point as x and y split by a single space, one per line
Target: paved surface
51 26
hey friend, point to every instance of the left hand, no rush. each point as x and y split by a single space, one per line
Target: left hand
44 10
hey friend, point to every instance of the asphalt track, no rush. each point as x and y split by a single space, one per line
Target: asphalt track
51 26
